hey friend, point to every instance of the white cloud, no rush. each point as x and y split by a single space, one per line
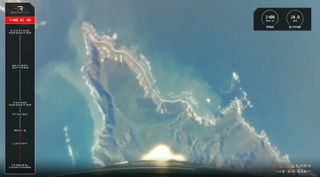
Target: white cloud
235 77
42 23
68 140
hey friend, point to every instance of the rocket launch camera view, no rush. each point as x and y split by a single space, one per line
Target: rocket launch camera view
160 88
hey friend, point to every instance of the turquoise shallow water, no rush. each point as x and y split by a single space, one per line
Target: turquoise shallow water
63 106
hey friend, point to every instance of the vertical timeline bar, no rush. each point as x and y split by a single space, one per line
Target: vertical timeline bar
20 89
